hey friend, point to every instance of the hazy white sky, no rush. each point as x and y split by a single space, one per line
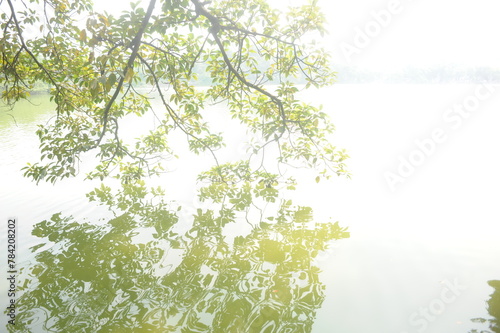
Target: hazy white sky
419 32
397 33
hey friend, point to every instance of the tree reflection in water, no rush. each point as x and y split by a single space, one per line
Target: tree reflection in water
493 310
118 278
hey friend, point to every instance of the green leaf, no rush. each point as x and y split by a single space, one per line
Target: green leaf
129 74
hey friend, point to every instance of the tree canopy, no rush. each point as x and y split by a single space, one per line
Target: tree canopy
97 66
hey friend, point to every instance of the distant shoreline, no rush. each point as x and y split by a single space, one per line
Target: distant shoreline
419 75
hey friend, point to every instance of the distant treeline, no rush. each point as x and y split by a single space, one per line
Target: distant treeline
435 74
353 75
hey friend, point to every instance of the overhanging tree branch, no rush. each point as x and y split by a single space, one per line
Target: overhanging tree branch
175 118
25 47
96 80
214 30
134 45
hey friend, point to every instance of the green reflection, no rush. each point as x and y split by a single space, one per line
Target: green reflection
133 275
493 310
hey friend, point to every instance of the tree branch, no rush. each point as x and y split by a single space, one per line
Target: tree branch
134 44
25 47
175 118
214 30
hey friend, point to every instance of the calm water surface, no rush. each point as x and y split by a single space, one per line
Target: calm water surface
422 257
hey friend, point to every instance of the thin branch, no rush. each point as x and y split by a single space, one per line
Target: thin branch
23 46
135 44
201 10
15 122
175 118
197 55
214 30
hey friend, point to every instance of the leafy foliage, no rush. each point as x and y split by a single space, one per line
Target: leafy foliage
97 67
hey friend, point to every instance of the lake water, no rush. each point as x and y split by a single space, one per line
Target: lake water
423 246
